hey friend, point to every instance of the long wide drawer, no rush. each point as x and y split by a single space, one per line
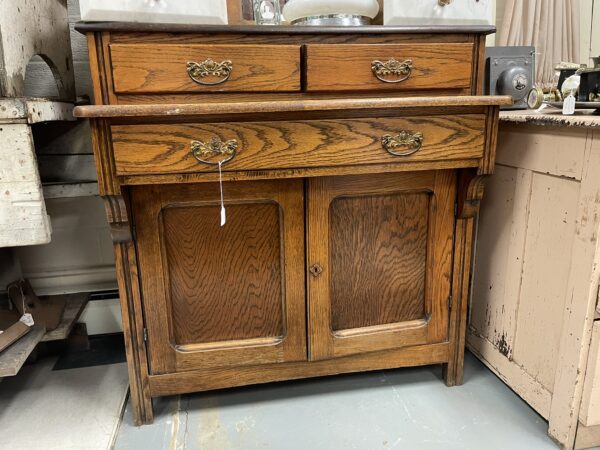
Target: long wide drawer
247 146
364 67
171 68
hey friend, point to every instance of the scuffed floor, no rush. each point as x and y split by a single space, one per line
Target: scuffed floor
395 409
74 409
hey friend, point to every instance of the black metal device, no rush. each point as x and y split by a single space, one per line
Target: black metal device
510 71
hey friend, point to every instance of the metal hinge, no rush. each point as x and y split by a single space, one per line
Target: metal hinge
450 302
145 335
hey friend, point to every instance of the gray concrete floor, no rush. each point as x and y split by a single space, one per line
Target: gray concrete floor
394 409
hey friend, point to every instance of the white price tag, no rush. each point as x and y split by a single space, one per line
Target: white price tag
569 105
223 216
27 319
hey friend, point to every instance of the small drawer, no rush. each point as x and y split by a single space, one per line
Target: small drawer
171 68
185 148
395 67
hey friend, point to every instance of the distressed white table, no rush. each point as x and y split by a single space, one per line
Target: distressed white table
23 218
534 317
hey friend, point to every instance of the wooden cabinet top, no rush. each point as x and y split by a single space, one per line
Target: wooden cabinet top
86 27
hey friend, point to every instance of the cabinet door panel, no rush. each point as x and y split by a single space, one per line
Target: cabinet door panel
375 262
382 246
225 283
220 296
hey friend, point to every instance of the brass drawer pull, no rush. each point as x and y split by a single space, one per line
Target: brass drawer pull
204 150
393 67
209 68
414 142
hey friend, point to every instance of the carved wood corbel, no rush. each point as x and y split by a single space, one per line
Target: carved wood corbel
471 187
118 219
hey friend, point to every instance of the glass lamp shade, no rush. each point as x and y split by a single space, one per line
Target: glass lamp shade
299 9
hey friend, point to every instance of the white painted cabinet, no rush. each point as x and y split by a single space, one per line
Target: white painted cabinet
537 267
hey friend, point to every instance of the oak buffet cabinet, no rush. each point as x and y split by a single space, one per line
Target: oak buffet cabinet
352 163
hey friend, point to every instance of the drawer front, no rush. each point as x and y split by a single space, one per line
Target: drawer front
170 68
389 67
184 148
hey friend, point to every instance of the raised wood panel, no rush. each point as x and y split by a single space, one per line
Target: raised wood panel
434 66
147 68
552 213
222 296
225 282
163 149
497 279
378 259
439 190
542 149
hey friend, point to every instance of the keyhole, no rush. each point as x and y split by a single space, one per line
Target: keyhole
316 270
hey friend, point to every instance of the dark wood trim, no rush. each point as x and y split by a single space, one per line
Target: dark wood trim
205 109
204 380
85 27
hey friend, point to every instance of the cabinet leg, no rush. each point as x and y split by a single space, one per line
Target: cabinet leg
453 370
135 346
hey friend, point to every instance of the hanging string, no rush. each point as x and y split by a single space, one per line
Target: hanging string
223 213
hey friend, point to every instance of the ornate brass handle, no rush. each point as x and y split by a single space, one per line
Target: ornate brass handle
414 142
214 148
444 2
392 67
209 68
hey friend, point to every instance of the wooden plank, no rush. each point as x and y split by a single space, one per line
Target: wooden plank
554 150
219 378
515 376
207 109
23 218
70 190
34 110
582 293
13 358
589 414
498 260
587 437
73 309
11 334
544 278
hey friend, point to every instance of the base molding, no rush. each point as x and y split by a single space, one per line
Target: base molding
204 380
587 437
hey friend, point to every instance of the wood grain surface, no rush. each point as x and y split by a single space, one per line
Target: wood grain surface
206 379
218 297
348 67
143 68
378 258
439 190
226 282
162 149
